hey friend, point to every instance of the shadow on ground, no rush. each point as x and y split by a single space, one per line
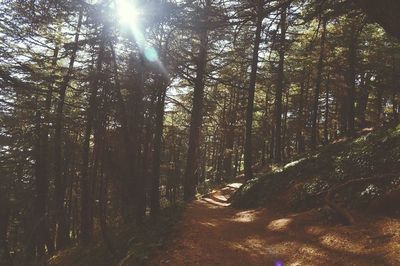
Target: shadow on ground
212 233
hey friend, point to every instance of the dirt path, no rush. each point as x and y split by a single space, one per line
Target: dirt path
212 233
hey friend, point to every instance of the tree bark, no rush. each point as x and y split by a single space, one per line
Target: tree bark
280 88
62 236
300 115
326 118
155 193
248 173
230 135
4 226
394 89
197 111
86 208
314 126
351 79
41 232
363 100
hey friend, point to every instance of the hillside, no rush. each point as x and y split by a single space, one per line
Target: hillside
302 183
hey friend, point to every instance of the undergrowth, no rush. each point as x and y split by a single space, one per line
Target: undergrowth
132 245
308 177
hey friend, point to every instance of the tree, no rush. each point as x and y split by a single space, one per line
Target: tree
279 88
197 109
251 91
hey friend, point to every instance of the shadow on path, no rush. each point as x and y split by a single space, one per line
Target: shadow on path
212 233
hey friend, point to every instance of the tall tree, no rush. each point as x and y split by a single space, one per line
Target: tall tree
197 109
280 86
86 199
318 82
251 90
59 182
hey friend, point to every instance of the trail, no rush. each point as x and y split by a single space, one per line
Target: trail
212 233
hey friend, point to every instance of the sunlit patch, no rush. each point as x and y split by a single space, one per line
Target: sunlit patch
217 203
245 216
235 185
294 163
208 224
253 246
283 249
280 225
388 236
339 242
312 253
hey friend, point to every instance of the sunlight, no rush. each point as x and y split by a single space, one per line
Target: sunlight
246 216
128 13
280 224
344 242
132 16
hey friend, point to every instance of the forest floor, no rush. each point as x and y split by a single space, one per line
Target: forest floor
213 233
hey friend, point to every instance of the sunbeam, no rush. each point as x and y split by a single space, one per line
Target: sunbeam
132 16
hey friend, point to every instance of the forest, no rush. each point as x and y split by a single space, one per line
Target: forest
170 132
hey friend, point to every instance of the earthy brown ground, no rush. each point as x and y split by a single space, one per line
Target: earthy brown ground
212 233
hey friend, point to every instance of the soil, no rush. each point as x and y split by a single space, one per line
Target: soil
213 233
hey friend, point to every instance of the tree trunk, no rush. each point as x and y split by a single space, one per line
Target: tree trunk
86 200
300 116
62 235
248 174
326 121
379 107
230 135
394 88
285 126
363 100
351 80
197 111
4 225
265 130
41 230
155 193
280 88
314 126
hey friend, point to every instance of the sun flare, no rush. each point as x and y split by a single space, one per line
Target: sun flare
132 16
128 13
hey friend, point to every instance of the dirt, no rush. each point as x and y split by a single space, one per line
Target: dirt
213 233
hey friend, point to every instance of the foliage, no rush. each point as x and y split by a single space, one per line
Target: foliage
310 176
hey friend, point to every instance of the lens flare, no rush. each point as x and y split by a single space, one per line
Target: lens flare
130 15
151 54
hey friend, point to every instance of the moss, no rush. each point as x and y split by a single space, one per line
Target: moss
373 153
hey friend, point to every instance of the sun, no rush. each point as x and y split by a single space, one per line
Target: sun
131 16
128 13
